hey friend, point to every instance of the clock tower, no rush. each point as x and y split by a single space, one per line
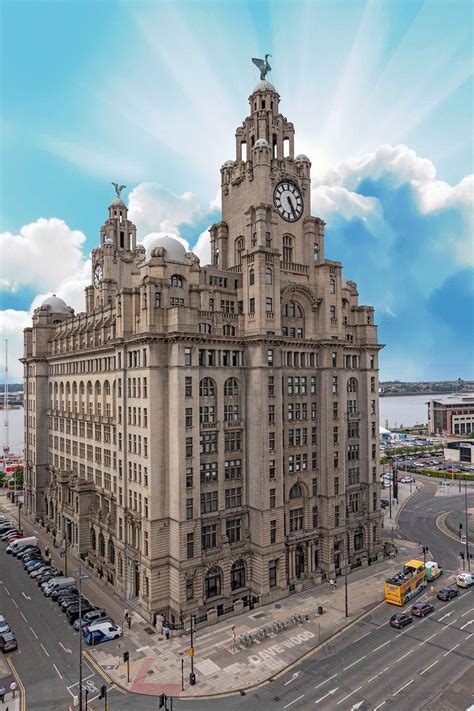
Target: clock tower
112 262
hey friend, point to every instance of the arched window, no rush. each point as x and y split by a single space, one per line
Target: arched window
207 388
332 286
231 387
251 276
205 328
352 385
111 552
359 539
293 310
176 280
213 583
296 491
268 276
237 575
287 249
239 249
93 539
101 545
229 330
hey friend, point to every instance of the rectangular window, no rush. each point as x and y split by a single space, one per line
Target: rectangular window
233 469
209 502
335 410
233 498
336 460
271 441
231 413
208 443
209 537
352 429
188 386
207 414
232 441
335 435
336 486
296 520
352 452
189 478
187 356
272 498
273 531
252 306
208 472
271 469
232 529
271 386
315 517
269 304
189 510
353 475
270 356
334 385
189 588
190 545
337 516
272 573
354 503
189 417
334 359
314 486
271 414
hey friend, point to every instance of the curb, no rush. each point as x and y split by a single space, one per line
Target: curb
22 690
441 526
252 687
402 506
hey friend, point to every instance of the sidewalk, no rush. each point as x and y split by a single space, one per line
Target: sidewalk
156 663
6 678
405 492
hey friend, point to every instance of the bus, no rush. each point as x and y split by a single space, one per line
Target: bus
410 581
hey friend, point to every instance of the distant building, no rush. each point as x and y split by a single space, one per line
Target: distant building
462 452
205 436
451 415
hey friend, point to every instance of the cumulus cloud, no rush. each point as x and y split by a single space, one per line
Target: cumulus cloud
402 234
155 209
26 258
202 247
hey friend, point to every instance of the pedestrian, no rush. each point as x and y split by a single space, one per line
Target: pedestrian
13 688
129 621
166 630
46 551
3 691
125 613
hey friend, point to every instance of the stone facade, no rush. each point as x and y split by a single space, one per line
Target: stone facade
205 436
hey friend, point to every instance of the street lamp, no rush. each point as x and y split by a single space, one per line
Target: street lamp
468 559
80 576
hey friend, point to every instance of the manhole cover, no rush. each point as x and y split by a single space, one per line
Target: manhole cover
149 630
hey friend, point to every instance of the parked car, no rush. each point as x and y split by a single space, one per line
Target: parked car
41 569
400 619
4 627
465 580
73 611
8 642
34 565
447 593
407 480
96 623
8 533
102 633
73 601
89 618
26 552
58 594
421 609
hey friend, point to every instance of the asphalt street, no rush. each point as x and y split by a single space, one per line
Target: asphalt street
47 659
417 522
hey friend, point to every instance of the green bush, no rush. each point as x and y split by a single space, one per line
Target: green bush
442 475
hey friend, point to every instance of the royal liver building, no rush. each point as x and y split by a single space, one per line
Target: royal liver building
206 436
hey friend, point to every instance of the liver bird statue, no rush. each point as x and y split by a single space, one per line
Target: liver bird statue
263 65
118 188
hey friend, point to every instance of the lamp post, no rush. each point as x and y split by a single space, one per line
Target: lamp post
468 560
80 576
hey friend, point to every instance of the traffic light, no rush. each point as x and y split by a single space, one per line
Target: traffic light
126 656
162 701
103 692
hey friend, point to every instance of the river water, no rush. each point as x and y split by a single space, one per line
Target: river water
397 411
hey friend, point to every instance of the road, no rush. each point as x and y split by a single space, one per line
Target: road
47 659
417 522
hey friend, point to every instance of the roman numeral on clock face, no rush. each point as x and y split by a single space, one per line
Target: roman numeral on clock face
288 201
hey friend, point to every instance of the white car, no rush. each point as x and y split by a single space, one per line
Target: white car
406 480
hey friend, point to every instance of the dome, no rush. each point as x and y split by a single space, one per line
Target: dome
302 156
228 164
174 250
117 202
262 143
57 305
263 86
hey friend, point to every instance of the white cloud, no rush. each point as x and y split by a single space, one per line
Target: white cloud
202 247
216 204
27 257
155 209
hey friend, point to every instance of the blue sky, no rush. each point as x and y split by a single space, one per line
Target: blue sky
150 94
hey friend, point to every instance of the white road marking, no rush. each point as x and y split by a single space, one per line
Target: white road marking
379 706
325 682
359 638
27 597
44 649
348 695
31 628
382 645
15 603
295 676
466 613
59 673
452 648
294 701
428 639
469 635
333 691
373 678
467 624
7 591
405 655
23 616
356 662
77 683
382 625
142 649
65 648
404 687
431 665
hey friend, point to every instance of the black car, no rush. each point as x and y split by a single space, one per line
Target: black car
66 596
447 593
8 642
420 609
400 619
73 611
72 601
58 594
30 555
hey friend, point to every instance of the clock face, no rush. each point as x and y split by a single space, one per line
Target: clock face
98 274
288 200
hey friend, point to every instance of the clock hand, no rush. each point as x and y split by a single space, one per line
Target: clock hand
290 202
